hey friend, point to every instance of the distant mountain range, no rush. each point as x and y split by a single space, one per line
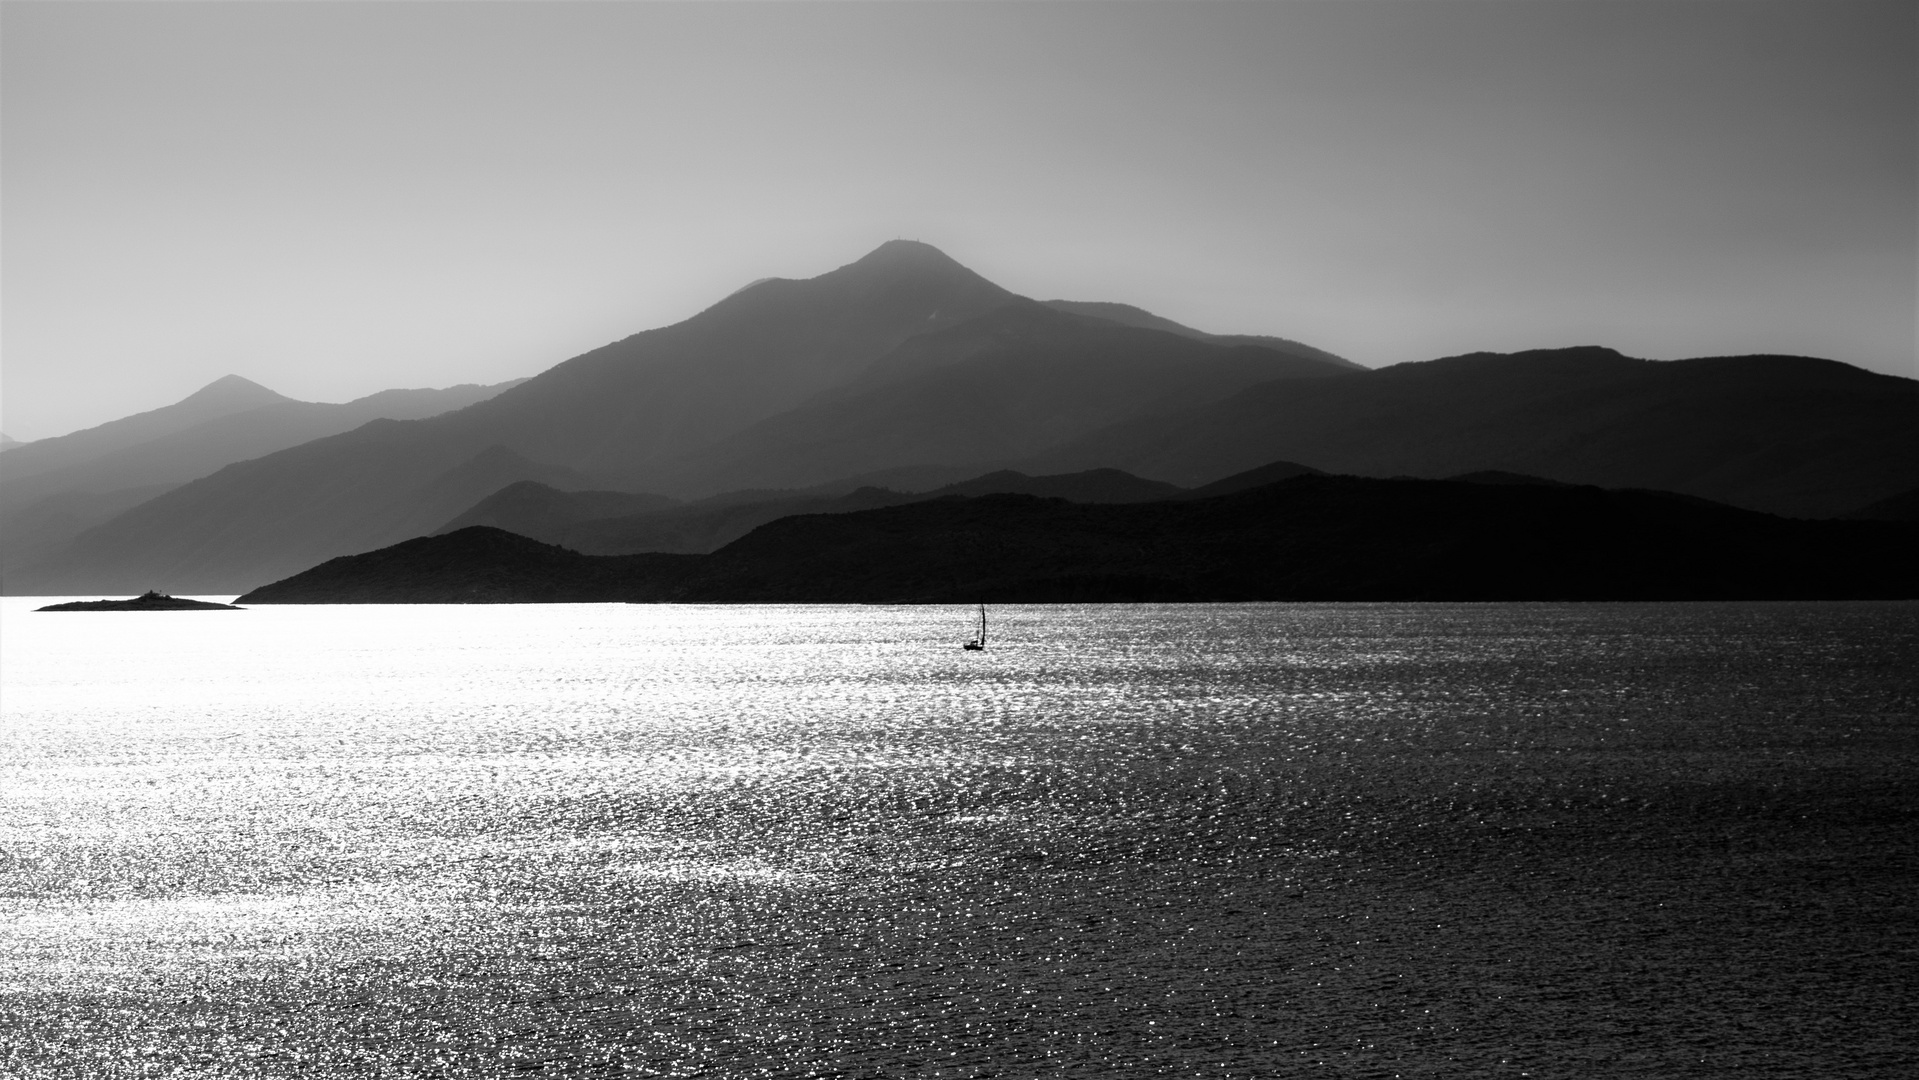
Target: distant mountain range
904 372
939 366
1311 537
53 489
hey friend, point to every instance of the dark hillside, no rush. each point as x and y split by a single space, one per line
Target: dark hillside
1271 473
1128 315
998 388
1786 435
1901 507
1309 538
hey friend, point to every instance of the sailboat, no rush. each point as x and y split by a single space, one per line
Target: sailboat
978 643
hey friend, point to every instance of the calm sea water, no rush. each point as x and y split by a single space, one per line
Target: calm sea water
1659 840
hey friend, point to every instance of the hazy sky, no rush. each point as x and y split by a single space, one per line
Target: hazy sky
337 198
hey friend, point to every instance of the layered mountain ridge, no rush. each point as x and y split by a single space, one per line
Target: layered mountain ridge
1789 435
906 368
53 489
654 413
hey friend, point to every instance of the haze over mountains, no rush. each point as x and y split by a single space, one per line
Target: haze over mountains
905 370
53 489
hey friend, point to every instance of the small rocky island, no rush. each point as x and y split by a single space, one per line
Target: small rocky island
150 601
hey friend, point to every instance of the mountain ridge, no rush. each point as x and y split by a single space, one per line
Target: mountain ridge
1128 315
223 396
1798 436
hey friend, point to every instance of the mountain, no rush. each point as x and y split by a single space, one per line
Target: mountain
533 509
221 397
475 565
906 364
655 412
8 442
54 489
462 486
1495 476
120 455
612 415
1091 486
1308 538
1270 473
45 525
620 412
1901 507
701 527
1128 315
1781 434
993 390
575 519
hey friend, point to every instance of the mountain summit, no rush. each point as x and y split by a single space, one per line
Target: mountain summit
638 402
230 393
896 256
224 396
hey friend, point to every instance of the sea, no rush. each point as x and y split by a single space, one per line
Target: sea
1259 840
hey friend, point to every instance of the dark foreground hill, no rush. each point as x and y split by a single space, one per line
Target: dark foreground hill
1307 538
1901 507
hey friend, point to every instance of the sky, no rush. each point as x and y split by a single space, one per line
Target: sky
333 199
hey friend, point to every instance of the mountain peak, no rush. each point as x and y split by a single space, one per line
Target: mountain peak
901 267
233 391
897 255
907 249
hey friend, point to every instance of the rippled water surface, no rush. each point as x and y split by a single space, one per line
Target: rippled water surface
1237 841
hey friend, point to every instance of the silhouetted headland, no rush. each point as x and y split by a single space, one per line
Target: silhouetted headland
1309 537
150 601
